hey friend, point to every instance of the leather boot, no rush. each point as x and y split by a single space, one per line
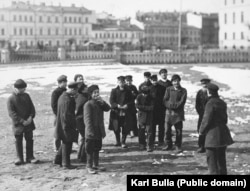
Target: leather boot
19 152
118 139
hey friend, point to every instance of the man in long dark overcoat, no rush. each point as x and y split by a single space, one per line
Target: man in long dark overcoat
22 112
66 126
214 128
146 81
121 100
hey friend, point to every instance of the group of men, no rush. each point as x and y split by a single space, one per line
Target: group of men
79 109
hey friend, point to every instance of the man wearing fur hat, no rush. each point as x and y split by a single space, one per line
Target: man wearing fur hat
94 128
174 100
22 112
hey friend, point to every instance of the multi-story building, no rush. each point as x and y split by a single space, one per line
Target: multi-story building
27 24
234 22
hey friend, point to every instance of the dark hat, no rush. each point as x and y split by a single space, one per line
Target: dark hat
154 77
205 80
147 74
121 78
213 88
163 71
92 88
176 77
128 77
77 76
145 89
81 87
19 84
73 85
62 78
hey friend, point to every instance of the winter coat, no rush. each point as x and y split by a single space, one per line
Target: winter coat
54 98
214 124
80 100
148 83
66 119
94 120
20 108
165 84
200 101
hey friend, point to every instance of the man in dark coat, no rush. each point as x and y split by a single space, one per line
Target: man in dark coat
22 112
174 100
164 78
146 81
94 128
81 98
62 84
66 125
133 89
200 102
217 134
121 100
157 93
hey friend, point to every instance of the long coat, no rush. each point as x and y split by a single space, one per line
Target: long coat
54 98
200 102
20 108
94 120
66 120
214 124
80 100
120 97
174 100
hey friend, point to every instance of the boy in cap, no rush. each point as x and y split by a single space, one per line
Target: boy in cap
22 112
174 100
145 105
214 128
62 84
94 128
146 80
133 89
121 100
66 126
164 78
200 102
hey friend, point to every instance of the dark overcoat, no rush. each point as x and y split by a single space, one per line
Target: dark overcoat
54 98
200 102
214 124
66 120
165 84
20 108
80 100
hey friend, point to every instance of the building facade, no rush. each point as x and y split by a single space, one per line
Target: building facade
27 24
234 22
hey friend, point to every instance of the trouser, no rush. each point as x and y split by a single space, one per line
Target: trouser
29 146
160 123
201 138
168 133
93 147
63 154
143 139
121 128
81 152
216 160
134 126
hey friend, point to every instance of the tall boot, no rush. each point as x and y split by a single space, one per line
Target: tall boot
96 158
19 152
29 150
118 139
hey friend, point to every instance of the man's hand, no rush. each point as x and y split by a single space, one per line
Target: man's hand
28 121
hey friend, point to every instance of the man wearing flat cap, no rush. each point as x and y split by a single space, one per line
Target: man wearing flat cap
66 125
22 112
62 84
163 81
132 114
200 102
174 100
146 81
121 101
217 134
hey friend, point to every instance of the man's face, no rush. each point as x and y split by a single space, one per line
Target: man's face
204 86
80 79
95 94
176 83
154 82
121 83
20 90
63 84
128 82
146 78
164 75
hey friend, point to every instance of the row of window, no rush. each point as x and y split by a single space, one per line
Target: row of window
233 1
172 39
242 37
173 31
234 18
115 35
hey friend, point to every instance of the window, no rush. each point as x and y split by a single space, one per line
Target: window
20 32
125 35
58 43
242 36
70 31
74 19
31 31
65 19
225 2
56 19
57 31
48 19
41 31
225 36
2 31
96 35
233 18
225 18
233 1
87 31
80 31
25 18
49 31
31 43
242 1
2 17
20 17
75 32
100 35
86 20
242 17
14 18
14 31
40 19
233 36
31 19
65 31
79 19
69 19
26 31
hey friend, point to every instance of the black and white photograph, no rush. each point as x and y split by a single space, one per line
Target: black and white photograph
93 91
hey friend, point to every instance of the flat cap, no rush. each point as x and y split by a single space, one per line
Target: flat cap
19 84
175 77
73 85
163 71
128 77
121 78
154 77
62 78
92 88
212 87
205 80
147 74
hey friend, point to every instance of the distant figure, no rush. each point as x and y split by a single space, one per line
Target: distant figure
94 128
146 81
66 126
62 84
174 100
200 103
217 134
22 112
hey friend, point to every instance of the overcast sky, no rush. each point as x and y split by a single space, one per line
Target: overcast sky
123 8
